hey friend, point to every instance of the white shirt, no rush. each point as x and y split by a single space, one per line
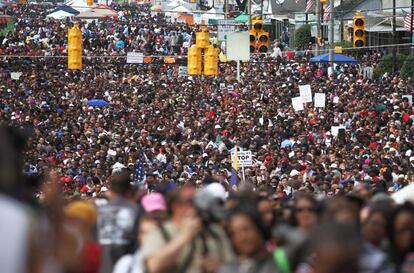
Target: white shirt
14 236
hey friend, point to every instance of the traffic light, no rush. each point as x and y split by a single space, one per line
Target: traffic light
203 39
194 61
259 39
89 2
211 61
252 37
257 23
324 2
75 48
263 41
359 30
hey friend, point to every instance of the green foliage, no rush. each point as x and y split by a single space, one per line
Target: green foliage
344 44
385 64
407 68
9 28
303 36
348 44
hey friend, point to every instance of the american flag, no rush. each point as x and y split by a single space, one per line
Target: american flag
407 20
139 175
327 13
309 5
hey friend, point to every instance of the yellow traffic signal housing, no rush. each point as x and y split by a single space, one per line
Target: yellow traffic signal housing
203 39
211 61
259 39
252 38
75 48
194 61
263 41
89 2
257 24
359 30
324 2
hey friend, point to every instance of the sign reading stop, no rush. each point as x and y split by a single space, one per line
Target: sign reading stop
244 158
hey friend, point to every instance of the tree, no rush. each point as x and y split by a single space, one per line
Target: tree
303 36
385 64
407 68
344 44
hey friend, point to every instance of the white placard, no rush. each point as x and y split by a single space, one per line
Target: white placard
244 158
222 86
230 88
238 48
15 75
297 104
410 99
335 129
336 99
135 58
305 93
320 99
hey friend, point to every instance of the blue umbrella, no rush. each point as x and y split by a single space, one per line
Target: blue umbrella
286 143
98 103
338 58
119 44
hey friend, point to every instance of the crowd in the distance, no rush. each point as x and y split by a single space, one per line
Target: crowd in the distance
134 29
79 160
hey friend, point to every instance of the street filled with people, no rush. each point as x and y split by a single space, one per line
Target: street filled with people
146 182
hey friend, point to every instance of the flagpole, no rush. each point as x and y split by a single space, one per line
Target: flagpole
244 177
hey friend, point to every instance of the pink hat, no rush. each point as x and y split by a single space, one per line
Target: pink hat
154 202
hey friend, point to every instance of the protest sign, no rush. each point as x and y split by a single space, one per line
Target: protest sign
297 104
320 99
305 93
244 158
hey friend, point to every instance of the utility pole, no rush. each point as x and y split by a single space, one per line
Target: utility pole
394 38
411 28
331 36
306 12
318 25
342 21
249 12
261 10
412 38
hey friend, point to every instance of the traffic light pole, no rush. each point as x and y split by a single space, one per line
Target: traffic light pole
331 37
238 70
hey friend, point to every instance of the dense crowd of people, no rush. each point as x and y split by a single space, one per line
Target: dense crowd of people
144 184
